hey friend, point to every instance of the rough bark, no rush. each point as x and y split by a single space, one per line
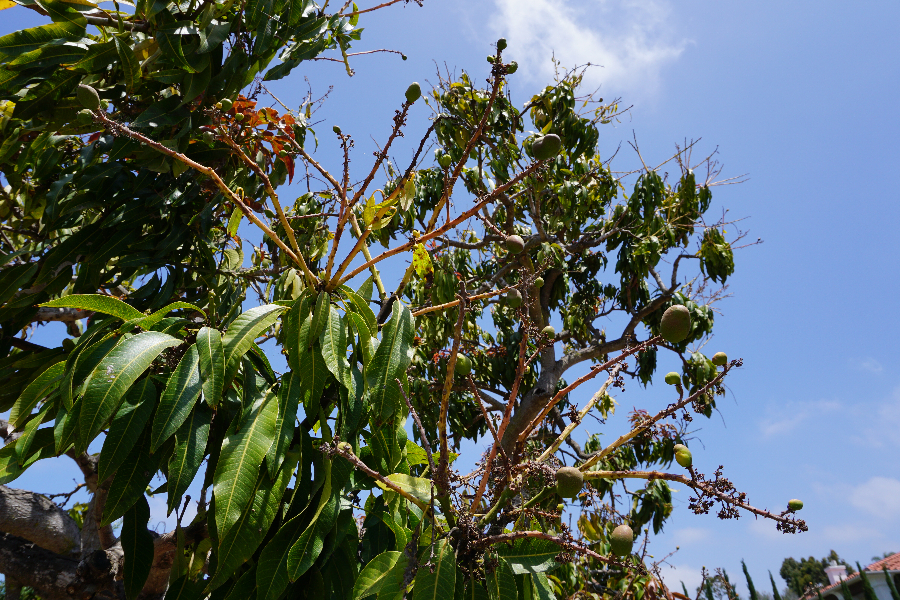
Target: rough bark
37 519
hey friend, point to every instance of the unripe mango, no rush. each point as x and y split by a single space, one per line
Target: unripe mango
549 331
413 92
463 365
673 378
514 298
569 481
795 505
539 282
720 359
515 243
683 456
546 147
675 324
622 540
88 97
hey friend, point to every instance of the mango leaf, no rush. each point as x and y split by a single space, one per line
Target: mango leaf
66 427
212 364
170 44
313 374
288 401
377 573
190 447
440 584
417 487
306 550
238 465
149 321
422 262
97 303
530 555
112 378
234 221
272 572
179 397
501 582
131 68
36 391
334 350
23 444
127 426
137 545
130 481
320 316
389 361
243 330
361 307
25 40
239 544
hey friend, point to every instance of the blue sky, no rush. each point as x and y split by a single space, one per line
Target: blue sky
800 96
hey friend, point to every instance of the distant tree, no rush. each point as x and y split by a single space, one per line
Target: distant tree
890 581
799 575
775 593
750 586
868 592
884 555
845 590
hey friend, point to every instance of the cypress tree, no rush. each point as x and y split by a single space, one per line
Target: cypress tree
775 594
887 576
729 589
868 592
709 590
750 586
845 590
686 595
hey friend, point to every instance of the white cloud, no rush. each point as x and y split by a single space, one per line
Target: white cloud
690 535
631 40
674 575
869 364
793 414
879 496
851 533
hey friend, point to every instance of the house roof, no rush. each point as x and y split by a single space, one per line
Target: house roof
892 563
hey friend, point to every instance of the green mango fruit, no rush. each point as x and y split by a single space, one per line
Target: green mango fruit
539 282
720 359
683 456
515 244
226 104
501 44
463 365
546 147
413 92
549 331
673 378
622 540
514 298
88 97
675 324
795 505
569 481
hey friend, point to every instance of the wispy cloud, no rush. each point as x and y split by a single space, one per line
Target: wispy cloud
869 364
631 40
691 535
676 574
793 414
879 497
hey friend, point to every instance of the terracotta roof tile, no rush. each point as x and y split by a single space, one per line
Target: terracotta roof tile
892 563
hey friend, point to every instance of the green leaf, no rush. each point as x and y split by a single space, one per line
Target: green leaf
179 397
190 447
243 331
288 401
13 279
23 444
130 481
127 426
66 427
170 45
389 361
150 321
239 462
501 583
313 373
137 545
25 40
320 316
530 555
212 364
234 221
36 391
334 350
377 573
361 307
306 550
131 68
112 378
272 572
97 303
417 487
239 544
440 584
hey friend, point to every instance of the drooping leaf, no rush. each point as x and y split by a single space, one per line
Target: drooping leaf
530 555
244 537
288 401
38 389
112 378
190 447
179 397
239 461
417 487
334 349
390 359
127 426
501 582
243 330
97 303
212 364
130 481
137 544
377 573
439 584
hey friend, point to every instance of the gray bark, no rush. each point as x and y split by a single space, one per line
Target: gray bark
37 519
